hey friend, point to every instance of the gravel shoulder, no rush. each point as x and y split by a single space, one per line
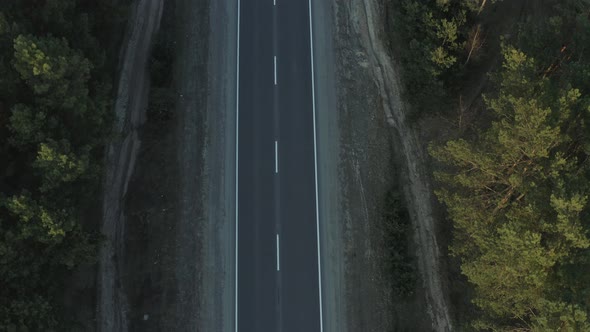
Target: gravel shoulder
191 87
180 208
329 189
180 240
366 147
169 248
354 173
218 283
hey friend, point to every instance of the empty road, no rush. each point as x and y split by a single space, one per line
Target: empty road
277 277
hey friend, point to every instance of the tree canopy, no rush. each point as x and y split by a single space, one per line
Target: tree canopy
55 115
514 194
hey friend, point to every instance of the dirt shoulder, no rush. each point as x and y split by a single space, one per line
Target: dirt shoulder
376 150
120 162
414 176
365 176
329 190
218 282
191 87
152 208
354 163
171 271
178 238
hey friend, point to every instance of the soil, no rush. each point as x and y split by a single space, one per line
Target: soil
379 150
152 208
164 263
367 161
151 265
497 20
86 299
120 161
152 213
218 241
176 263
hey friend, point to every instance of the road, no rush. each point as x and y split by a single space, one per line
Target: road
278 286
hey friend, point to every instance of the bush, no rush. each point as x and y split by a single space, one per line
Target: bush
397 228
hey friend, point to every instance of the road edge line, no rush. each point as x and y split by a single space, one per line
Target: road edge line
315 159
237 159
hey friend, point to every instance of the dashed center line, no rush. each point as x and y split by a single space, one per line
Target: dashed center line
275 62
276 157
278 255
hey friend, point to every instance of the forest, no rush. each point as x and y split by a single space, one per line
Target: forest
510 81
57 63
507 82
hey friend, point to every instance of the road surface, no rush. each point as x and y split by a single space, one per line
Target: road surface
278 286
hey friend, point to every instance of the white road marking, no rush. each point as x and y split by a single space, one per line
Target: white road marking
276 165
278 255
274 2
315 159
276 157
237 146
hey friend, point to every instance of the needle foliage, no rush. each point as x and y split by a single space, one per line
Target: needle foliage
55 115
517 188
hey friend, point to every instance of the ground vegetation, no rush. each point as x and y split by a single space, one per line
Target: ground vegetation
515 180
401 263
56 66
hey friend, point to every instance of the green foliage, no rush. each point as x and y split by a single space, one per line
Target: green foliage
516 190
55 73
58 12
510 277
515 203
55 117
436 33
28 314
37 221
27 126
401 263
58 165
4 26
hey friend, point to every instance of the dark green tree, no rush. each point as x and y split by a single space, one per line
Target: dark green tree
515 208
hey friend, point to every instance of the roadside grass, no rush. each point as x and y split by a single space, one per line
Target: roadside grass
401 263
161 100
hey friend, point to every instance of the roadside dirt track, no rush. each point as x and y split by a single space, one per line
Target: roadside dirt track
130 105
416 183
374 140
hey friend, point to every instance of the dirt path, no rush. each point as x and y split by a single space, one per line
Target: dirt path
353 173
167 264
120 161
363 135
417 188
354 143
364 176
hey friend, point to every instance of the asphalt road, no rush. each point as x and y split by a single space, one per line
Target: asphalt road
278 284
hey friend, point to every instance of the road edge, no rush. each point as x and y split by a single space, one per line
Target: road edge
219 249
328 147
